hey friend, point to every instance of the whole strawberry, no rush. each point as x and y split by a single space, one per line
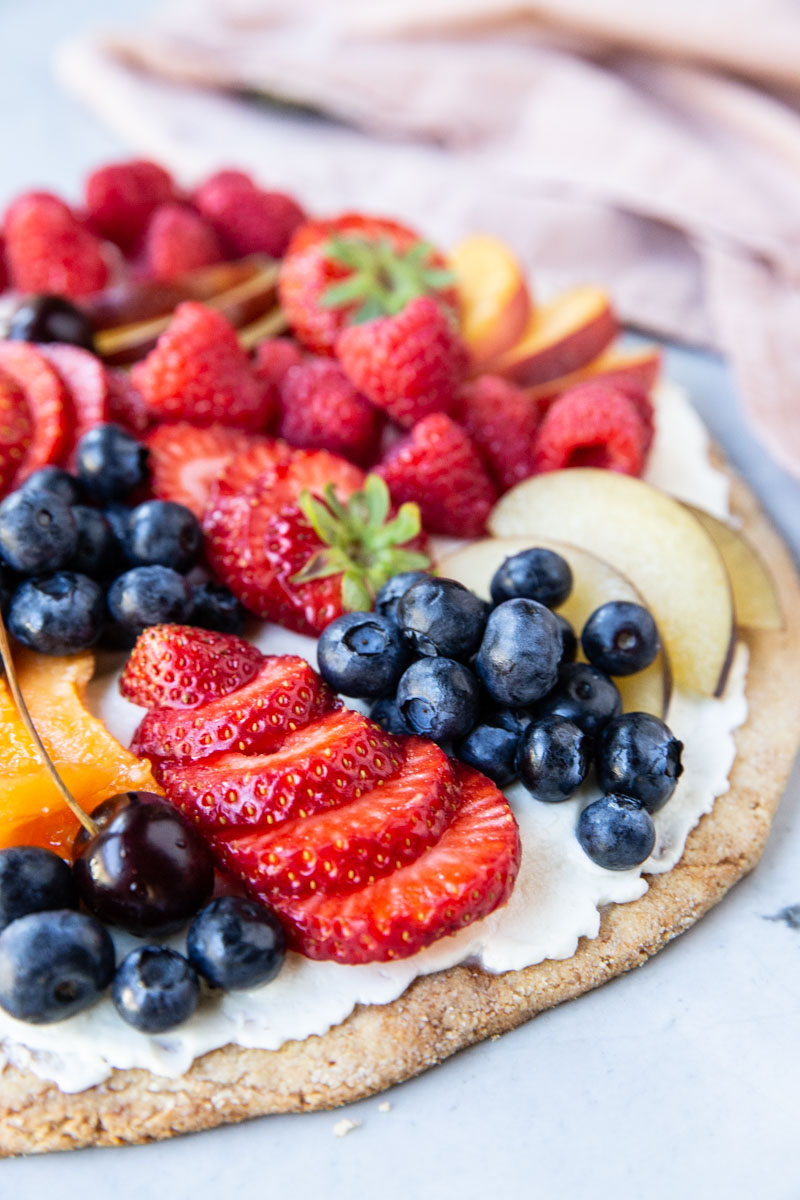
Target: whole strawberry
48 250
438 467
410 365
178 666
321 410
502 422
198 372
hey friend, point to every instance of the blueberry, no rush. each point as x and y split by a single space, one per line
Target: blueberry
56 482
620 638
584 695
155 989
362 654
118 516
149 596
638 756
162 534
518 659
32 880
236 943
536 574
616 833
386 714
110 462
37 532
46 318
440 616
553 759
98 552
53 964
215 607
492 751
515 720
389 595
57 614
569 642
439 698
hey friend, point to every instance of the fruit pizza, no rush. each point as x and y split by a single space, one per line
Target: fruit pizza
387 658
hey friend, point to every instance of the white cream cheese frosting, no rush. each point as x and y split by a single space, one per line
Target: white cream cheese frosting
556 900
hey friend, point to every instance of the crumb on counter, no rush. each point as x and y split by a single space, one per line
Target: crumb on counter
345 1126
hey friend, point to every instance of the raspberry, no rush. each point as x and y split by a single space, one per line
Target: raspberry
198 372
321 410
593 425
121 198
48 250
247 219
410 365
438 467
273 359
178 240
126 402
502 422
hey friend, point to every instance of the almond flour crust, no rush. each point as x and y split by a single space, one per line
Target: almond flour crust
378 1046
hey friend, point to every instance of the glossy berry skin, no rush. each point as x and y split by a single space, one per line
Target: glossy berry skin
149 596
569 642
535 574
439 699
584 695
53 964
620 638
51 319
386 714
389 596
362 654
236 943
638 756
110 462
492 751
515 720
56 482
616 833
162 534
518 659
98 551
440 616
118 516
553 759
37 532
155 989
147 869
33 879
57 614
215 607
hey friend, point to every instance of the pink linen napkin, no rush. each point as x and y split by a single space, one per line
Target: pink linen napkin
604 141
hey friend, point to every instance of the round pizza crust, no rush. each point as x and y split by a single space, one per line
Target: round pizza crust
378 1046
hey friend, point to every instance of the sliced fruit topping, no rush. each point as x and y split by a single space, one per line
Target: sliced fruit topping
561 336
85 379
283 696
126 403
466 875
755 596
493 296
185 461
15 430
333 760
638 369
176 666
351 846
48 401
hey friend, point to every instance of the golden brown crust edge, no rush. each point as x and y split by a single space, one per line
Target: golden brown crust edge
440 1014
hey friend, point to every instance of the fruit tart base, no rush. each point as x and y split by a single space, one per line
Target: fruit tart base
378 1046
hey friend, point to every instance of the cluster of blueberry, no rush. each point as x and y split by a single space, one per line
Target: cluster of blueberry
498 686
148 872
78 566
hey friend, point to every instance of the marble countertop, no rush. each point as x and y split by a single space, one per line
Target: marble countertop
678 1079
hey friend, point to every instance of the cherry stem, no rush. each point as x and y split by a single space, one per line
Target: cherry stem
86 821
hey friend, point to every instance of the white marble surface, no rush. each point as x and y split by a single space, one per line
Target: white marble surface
677 1080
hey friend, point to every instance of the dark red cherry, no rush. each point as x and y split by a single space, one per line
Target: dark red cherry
146 870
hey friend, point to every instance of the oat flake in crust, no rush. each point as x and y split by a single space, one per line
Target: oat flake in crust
378 1046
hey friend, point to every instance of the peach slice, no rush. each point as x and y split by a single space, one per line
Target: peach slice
655 542
756 603
560 337
639 367
493 296
595 583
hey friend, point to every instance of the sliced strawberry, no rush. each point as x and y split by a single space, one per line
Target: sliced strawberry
308 469
225 523
466 875
179 667
333 760
85 378
126 403
351 846
48 401
284 695
185 461
15 429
